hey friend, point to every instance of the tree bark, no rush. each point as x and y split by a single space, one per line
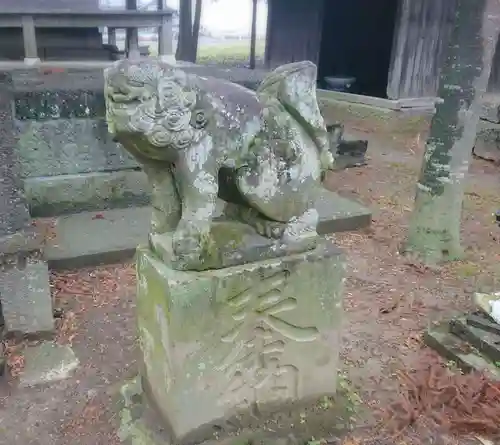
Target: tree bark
267 51
253 36
434 231
185 41
196 28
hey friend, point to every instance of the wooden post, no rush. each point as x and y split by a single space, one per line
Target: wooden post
165 38
133 43
253 36
165 35
131 34
29 38
112 36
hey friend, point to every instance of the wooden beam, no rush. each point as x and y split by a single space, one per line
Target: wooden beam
422 103
118 19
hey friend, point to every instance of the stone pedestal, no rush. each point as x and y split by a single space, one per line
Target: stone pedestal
238 342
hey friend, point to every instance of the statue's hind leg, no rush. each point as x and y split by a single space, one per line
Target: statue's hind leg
284 194
262 225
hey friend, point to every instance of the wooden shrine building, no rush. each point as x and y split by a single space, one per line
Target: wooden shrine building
48 30
394 48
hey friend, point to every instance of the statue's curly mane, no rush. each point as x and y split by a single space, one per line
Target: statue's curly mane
156 101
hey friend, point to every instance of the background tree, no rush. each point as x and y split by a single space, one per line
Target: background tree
253 34
434 232
189 30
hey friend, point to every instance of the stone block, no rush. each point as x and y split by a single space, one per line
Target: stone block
490 108
57 195
230 343
67 147
46 363
487 145
25 294
26 240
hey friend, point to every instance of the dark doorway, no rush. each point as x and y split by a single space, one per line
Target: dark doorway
357 42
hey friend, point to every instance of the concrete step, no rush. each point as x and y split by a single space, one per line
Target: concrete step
111 236
93 238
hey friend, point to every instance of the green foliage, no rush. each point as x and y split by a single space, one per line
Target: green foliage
231 53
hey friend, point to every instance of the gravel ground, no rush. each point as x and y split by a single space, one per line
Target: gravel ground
389 301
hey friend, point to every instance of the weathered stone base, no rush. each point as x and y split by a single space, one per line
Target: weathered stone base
328 419
238 342
25 294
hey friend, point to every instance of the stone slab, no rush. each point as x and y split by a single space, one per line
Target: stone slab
88 76
59 104
51 77
25 295
68 146
235 341
26 240
91 238
47 362
59 195
94 238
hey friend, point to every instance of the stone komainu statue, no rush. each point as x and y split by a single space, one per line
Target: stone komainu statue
200 138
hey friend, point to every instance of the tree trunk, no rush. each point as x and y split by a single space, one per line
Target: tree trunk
253 36
185 41
196 28
267 51
434 232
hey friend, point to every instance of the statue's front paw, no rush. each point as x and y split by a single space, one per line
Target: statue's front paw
327 160
190 242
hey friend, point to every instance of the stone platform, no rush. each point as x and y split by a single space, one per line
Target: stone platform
92 238
227 345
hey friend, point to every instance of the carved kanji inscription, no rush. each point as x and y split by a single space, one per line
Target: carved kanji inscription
258 339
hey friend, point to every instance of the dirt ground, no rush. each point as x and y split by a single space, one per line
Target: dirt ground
389 301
